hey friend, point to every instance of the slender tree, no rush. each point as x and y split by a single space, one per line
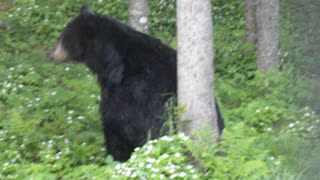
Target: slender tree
267 28
139 15
251 20
195 65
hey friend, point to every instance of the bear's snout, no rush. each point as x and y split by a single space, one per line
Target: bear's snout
58 53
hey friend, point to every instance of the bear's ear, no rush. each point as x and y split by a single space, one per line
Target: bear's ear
84 10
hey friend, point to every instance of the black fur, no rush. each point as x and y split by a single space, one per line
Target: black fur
135 72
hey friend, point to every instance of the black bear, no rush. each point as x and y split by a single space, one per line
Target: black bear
136 73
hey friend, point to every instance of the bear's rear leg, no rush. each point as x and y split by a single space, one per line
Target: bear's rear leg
118 147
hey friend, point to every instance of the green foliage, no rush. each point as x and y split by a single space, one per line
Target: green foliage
165 158
235 157
300 42
163 20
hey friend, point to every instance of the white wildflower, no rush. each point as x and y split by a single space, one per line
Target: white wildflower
166 138
151 160
133 175
182 174
165 156
147 152
127 173
149 147
310 128
149 166
141 164
118 166
155 170
195 176
81 117
173 176
189 167
307 114
171 171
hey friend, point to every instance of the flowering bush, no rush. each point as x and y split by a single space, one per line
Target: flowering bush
163 158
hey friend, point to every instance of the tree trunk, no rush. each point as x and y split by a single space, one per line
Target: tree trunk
195 66
267 26
139 15
251 20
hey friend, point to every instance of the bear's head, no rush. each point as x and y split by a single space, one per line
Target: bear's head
98 41
74 39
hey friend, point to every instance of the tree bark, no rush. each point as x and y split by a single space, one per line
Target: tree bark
139 15
267 26
195 66
251 20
